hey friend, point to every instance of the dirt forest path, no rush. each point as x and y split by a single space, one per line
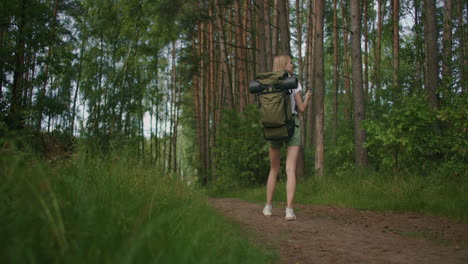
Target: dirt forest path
331 234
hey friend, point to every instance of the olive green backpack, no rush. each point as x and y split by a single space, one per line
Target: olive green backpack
273 89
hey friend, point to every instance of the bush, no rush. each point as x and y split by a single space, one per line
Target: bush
453 120
241 151
404 137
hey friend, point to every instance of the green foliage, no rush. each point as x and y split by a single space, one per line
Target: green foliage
403 137
241 152
93 210
453 120
379 191
413 136
340 157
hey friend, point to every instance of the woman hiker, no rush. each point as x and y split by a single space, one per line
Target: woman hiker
284 63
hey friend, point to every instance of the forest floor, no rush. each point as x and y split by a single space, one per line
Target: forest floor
332 234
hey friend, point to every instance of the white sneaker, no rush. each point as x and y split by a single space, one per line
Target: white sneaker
267 210
290 214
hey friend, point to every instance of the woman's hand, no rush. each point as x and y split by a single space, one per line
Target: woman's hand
302 105
308 96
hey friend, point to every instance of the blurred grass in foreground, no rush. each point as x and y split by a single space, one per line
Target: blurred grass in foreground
94 210
429 194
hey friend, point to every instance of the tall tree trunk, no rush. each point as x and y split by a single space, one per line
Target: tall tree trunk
268 46
366 51
4 25
155 103
299 37
432 69
241 37
77 88
305 76
378 57
447 52
203 113
220 91
175 106
97 108
308 47
206 99
176 126
336 83
232 51
207 88
396 49
141 116
27 66
151 131
166 133
42 94
347 78
320 87
224 56
172 105
156 132
198 113
156 114
260 42
31 88
275 29
15 118
250 48
211 92
283 26
419 64
300 171
237 57
310 72
359 110
463 61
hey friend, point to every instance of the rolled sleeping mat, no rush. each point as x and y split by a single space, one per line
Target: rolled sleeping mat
256 87
288 83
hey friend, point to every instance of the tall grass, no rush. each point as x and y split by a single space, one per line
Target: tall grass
429 194
94 210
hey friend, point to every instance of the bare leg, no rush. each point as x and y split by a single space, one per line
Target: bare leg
275 156
291 161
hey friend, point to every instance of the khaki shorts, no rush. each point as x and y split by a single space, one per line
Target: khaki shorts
295 140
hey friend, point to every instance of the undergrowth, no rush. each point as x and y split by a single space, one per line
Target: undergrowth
109 210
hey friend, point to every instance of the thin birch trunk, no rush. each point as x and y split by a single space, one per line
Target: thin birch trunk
77 88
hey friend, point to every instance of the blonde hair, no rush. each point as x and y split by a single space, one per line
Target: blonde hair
279 64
